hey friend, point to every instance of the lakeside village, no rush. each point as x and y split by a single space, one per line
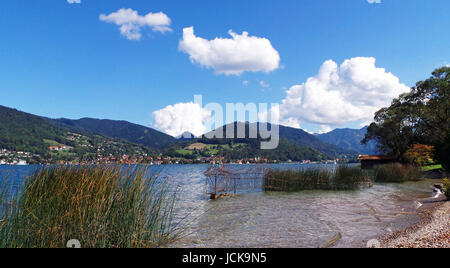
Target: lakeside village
8 157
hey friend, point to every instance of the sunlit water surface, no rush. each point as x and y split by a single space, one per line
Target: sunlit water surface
255 218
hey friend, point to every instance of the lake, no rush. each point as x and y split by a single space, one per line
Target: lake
255 218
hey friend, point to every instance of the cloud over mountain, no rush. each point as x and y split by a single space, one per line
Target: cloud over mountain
181 117
337 95
231 56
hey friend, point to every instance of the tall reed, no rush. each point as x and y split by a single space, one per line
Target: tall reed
342 178
447 188
396 173
101 206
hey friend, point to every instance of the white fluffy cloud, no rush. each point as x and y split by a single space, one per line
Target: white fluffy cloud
74 1
374 1
181 117
290 122
130 22
337 95
231 56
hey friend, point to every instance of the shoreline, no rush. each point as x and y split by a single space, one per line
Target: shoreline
432 231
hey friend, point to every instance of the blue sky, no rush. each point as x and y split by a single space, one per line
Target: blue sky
60 60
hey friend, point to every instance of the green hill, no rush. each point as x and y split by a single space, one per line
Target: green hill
295 145
300 138
237 149
121 129
21 131
24 132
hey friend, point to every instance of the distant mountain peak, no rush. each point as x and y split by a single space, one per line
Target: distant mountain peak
186 136
350 139
295 135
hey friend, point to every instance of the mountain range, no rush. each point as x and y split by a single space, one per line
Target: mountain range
27 132
120 129
350 139
295 136
45 140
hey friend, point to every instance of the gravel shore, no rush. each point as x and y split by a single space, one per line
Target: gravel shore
432 232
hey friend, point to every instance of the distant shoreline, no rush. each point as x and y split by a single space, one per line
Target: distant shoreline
184 164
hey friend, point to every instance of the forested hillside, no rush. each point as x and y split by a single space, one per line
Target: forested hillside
123 130
44 141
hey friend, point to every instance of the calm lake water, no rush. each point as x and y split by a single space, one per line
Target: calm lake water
255 218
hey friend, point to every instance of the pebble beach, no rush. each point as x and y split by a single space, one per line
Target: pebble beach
433 231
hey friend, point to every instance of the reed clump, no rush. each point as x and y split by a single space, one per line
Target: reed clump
447 188
396 173
342 178
101 206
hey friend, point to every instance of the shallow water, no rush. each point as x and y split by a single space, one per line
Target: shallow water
254 218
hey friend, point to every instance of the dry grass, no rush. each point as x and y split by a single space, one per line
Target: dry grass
343 178
447 188
396 173
102 207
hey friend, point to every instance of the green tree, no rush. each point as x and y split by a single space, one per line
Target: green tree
443 153
421 116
